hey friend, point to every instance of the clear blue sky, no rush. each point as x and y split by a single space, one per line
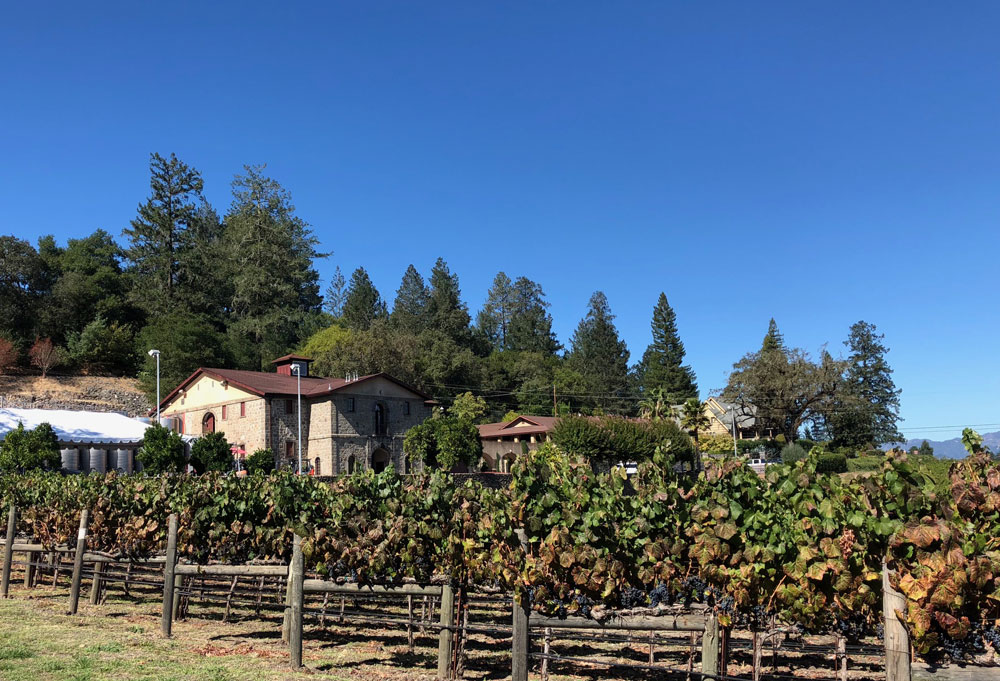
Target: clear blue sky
816 162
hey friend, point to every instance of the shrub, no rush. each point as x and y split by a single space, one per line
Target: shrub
611 440
261 461
444 442
162 451
792 453
716 444
212 453
830 462
763 449
865 463
104 347
23 450
8 354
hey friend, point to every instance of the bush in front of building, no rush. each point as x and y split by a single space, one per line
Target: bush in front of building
24 450
211 452
261 461
831 462
444 442
792 453
612 440
162 451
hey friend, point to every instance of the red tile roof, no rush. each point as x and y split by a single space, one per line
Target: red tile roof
269 384
535 425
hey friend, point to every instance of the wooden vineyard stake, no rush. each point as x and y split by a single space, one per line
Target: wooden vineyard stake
409 622
546 650
710 648
29 569
897 639
81 547
296 574
95 586
8 550
445 636
167 613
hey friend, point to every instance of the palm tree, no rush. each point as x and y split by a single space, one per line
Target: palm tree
693 419
655 406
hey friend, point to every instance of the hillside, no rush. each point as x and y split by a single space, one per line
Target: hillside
95 393
953 449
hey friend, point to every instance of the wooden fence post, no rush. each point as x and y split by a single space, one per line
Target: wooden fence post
167 613
178 584
710 648
286 620
95 587
8 550
29 569
519 641
897 639
296 572
81 547
445 635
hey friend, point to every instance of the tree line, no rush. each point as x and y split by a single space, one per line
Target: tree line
238 289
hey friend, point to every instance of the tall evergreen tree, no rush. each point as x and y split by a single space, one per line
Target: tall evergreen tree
275 286
445 309
600 358
662 366
409 310
531 324
19 272
773 339
204 277
494 320
868 412
336 294
363 304
159 237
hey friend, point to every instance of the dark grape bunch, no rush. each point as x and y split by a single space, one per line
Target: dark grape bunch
854 628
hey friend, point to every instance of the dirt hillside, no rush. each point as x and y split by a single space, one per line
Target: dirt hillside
93 393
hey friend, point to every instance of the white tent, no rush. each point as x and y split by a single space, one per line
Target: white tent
77 427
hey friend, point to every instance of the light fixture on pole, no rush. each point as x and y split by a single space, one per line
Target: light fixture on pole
156 354
297 370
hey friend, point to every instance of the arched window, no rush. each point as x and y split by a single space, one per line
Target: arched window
381 420
208 424
316 468
380 460
350 464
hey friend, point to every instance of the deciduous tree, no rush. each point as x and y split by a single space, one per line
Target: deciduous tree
45 355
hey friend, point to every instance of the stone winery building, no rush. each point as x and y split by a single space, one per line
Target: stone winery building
347 423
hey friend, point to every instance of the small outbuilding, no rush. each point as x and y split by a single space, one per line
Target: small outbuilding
89 441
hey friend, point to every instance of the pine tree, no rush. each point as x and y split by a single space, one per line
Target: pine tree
159 237
494 320
445 309
868 412
204 276
275 286
662 366
773 340
530 327
926 449
409 310
336 294
600 358
363 304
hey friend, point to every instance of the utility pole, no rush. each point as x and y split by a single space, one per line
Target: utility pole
555 404
298 385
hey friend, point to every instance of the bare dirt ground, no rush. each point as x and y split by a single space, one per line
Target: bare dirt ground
120 639
97 393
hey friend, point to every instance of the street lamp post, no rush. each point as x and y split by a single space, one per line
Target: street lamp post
156 354
296 369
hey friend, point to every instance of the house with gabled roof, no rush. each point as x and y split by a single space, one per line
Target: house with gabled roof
350 423
504 441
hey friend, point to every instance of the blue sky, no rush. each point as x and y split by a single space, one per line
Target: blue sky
818 163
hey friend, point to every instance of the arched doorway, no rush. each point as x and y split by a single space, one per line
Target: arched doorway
208 424
350 464
316 468
380 460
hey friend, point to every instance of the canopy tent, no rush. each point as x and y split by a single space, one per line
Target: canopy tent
72 427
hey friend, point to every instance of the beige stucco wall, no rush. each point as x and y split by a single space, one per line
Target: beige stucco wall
206 395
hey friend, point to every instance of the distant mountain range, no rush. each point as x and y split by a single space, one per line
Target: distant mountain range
953 449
